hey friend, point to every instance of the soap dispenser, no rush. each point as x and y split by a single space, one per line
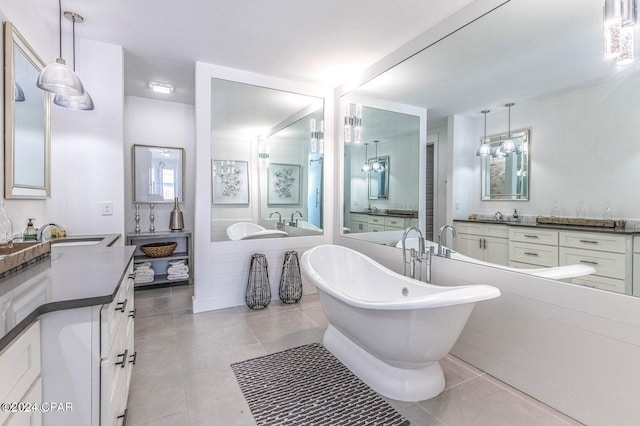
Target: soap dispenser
30 233
515 216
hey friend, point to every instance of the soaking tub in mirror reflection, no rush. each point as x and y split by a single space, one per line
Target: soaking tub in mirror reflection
390 330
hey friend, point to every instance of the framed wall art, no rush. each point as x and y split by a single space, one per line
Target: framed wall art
283 184
230 181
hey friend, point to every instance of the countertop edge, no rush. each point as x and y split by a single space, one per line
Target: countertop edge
62 305
556 227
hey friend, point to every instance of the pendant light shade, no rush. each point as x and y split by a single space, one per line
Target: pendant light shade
57 77
508 145
18 93
485 147
82 102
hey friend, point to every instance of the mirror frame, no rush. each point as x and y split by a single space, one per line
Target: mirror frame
136 166
14 40
495 140
385 160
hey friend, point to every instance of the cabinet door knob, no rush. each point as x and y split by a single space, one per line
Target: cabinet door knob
122 363
122 306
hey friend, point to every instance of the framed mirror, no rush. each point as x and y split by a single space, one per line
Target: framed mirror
27 121
379 178
158 174
506 176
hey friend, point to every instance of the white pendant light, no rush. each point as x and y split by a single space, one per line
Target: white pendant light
57 77
377 166
365 167
508 145
78 102
485 147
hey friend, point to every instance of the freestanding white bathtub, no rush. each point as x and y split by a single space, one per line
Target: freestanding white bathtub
388 329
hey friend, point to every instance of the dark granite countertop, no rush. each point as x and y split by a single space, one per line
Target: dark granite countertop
388 214
619 231
72 276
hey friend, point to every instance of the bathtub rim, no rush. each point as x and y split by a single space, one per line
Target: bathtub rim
442 296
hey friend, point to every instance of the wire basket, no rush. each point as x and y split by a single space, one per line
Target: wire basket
257 295
159 249
290 290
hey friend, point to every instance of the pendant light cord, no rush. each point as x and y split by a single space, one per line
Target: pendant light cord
60 26
73 26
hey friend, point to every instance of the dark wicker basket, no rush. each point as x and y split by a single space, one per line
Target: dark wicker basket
159 249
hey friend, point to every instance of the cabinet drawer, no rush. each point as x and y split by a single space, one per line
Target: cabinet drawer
115 375
394 222
469 228
357 217
359 226
534 236
112 314
375 228
636 244
593 241
603 283
533 254
19 367
497 231
30 418
607 264
376 220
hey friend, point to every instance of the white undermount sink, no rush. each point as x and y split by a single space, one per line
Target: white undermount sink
75 242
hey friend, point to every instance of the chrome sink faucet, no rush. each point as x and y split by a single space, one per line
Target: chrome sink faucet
441 252
40 232
498 216
295 223
280 224
416 256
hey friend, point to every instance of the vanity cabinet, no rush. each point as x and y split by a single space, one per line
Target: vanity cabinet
607 253
362 222
87 358
20 370
183 251
636 266
483 241
530 247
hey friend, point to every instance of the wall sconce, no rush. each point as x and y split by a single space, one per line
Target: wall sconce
620 18
317 136
352 123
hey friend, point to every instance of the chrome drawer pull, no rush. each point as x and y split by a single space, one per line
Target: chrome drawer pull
588 242
531 254
132 314
531 236
133 358
124 358
589 262
122 306
131 276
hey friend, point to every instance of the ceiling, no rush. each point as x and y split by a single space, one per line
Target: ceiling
517 53
316 42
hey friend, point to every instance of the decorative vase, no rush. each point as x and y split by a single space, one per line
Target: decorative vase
257 294
176 221
290 290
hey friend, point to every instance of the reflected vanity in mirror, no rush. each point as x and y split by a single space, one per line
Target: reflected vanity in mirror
27 121
505 176
278 137
158 174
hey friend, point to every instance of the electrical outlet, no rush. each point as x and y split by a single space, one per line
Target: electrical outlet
457 205
107 208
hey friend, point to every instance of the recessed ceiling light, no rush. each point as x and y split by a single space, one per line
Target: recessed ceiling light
164 88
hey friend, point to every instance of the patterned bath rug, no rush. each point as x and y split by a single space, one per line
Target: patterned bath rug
307 385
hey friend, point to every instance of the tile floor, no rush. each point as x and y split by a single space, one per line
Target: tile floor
182 376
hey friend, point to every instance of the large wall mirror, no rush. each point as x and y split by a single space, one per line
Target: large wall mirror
267 169
158 174
581 109
27 118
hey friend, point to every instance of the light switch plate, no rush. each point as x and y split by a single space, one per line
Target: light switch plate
107 208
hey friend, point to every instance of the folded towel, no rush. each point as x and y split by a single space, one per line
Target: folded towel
143 280
143 265
178 277
144 275
178 270
176 262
